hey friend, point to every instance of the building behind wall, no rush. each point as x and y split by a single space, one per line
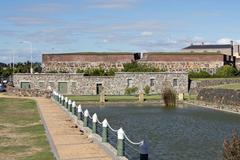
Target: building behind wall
78 84
231 49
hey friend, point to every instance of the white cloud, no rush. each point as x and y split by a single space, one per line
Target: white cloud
105 41
224 41
146 33
112 4
26 21
46 8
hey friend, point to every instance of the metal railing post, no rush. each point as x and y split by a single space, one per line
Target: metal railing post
105 131
73 107
85 121
94 123
79 112
143 149
120 142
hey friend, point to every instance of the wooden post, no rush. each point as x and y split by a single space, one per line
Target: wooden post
141 97
102 97
180 96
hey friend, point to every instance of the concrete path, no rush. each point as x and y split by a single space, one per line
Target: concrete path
67 142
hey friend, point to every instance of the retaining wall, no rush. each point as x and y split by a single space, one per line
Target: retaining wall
222 97
195 86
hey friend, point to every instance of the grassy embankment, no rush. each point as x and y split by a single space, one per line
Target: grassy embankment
202 79
234 86
22 135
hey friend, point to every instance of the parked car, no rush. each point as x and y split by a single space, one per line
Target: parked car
2 88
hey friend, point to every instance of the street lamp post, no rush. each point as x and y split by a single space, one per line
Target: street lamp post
31 49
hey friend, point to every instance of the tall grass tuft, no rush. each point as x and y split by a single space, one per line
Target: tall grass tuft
232 147
169 97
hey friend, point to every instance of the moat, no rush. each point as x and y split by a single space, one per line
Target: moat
186 132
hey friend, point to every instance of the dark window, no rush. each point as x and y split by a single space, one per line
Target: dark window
152 82
175 82
129 82
41 85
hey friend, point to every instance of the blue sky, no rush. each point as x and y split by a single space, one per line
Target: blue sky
113 25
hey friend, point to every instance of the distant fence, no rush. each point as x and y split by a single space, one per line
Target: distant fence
116 137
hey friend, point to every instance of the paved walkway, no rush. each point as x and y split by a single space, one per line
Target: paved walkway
69 143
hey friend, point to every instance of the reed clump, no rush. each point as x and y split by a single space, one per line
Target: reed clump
169 97
231 148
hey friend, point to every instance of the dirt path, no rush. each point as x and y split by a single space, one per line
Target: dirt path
69 143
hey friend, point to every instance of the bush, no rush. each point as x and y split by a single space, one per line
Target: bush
169 97
137 67
226 71
131 90
80 70
201 74
98 72
146 89
232 148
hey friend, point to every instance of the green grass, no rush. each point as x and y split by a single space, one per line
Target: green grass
23 135
124 98
202 79
234 86
189 97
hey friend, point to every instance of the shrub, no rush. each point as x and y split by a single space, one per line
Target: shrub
98 72
232 148
169 97
138 67
52 71
131 90
226 71
80 70
146 89
201 74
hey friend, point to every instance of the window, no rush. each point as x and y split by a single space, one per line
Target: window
51 84
74 85
175 82
152 82
129 82
41 85
25 85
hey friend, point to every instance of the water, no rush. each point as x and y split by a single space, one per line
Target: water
185 133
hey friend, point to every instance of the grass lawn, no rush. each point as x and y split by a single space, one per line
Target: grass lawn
125 98
234 86
202 79
22 135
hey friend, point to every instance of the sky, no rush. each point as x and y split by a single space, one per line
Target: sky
112 25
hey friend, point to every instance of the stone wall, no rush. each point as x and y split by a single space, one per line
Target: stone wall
226 51
71 62
28 92
221 96
77 84
197 85
209 62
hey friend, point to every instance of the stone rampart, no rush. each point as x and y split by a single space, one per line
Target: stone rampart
28 92
78 84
